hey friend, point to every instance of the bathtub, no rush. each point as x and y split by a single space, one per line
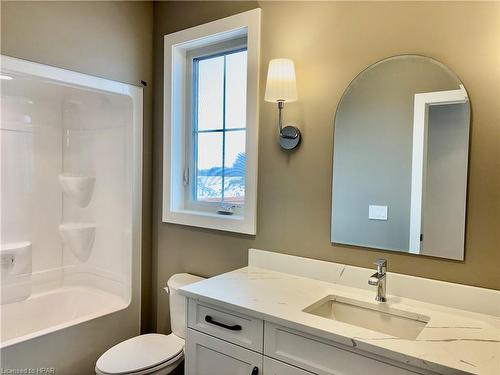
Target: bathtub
54 310
70 228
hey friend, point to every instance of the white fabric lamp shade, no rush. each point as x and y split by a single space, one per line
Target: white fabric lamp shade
281 84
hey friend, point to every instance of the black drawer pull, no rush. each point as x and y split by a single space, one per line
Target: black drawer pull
255 371
210 320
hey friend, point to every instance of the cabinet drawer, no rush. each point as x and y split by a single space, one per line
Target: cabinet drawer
321 356
206 355
228 325
274 367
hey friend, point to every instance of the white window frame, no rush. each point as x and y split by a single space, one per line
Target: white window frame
176 122
205 52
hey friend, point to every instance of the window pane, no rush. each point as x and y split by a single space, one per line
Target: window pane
236 90
235 167
209 167
210 93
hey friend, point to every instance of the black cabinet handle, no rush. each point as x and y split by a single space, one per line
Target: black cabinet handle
255 370
210 320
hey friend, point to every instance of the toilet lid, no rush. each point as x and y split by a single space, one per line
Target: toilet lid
140 353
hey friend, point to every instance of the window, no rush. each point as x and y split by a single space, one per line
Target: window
211 86
218 157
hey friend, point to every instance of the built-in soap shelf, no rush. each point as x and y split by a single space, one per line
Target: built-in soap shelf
77 188
79 238
15 258
16 270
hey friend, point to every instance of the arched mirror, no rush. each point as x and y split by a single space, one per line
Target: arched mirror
400 156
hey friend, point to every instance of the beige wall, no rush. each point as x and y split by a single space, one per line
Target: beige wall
111 40
330 43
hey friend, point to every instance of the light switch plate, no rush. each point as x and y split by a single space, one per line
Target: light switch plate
377 212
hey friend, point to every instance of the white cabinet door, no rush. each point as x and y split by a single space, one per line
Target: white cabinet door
207 355
273 367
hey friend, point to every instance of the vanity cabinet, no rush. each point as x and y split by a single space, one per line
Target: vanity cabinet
220 341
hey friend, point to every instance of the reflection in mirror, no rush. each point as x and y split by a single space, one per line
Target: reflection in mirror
400 159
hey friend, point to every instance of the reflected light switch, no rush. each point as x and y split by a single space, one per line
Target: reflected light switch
377 212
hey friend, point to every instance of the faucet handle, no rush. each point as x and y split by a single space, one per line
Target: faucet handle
381 265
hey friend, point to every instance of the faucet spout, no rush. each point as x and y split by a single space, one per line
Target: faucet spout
374 279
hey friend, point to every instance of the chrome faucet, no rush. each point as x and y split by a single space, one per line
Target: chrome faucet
379 278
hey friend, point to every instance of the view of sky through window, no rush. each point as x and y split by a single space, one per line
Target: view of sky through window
220 127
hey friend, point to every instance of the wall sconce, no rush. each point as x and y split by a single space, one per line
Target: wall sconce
281 88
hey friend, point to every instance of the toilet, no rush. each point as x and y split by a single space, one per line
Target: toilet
153 353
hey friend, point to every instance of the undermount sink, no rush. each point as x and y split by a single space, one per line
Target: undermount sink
373 316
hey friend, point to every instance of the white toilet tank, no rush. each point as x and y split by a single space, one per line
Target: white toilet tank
178 302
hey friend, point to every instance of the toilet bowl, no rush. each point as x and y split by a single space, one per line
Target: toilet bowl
153 353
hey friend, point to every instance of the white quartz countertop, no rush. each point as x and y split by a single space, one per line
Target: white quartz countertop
453 342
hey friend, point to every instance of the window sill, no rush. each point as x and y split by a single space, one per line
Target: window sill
211 220
212 214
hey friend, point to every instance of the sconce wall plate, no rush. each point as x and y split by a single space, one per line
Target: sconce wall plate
290 137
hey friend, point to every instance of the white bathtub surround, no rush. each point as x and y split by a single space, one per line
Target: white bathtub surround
73 190
454 341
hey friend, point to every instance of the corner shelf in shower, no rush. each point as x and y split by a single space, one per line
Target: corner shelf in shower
79 238
77 188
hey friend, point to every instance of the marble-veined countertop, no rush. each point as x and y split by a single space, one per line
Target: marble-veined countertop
453 341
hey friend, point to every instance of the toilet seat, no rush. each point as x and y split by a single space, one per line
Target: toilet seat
164 368
144 354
